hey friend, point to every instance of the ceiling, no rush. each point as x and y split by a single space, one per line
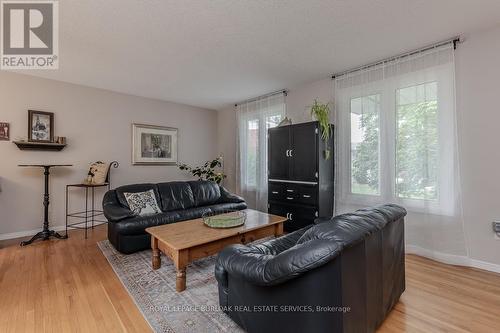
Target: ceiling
213 53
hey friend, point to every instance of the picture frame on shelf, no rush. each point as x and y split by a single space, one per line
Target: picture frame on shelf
4 131
40 126
154 145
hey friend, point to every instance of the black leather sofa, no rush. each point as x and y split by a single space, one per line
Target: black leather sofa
179 201
343 274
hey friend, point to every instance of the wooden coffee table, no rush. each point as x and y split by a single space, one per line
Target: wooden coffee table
184 242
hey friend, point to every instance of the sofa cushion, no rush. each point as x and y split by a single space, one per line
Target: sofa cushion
205 192
136 225
191 213
134 189
225 207
175 195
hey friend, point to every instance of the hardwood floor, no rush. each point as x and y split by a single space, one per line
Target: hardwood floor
64 286
68 286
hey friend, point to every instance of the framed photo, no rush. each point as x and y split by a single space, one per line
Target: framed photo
4 132
40 126
154 145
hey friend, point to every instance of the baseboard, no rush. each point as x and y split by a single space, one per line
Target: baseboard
487 266
28 233
452 259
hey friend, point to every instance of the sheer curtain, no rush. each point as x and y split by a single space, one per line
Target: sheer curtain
254 118
397 142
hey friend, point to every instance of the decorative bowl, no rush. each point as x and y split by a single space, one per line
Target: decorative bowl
227 219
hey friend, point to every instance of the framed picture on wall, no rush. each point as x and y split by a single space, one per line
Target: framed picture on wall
40 126
154 145
4 131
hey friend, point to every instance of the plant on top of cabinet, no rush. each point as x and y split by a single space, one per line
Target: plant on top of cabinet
321 112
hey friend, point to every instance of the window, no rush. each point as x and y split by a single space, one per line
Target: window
416 155
254 137
365 129
417 142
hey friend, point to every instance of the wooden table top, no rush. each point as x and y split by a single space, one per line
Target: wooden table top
45 165
187 234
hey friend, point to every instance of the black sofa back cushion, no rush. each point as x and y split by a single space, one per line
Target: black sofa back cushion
205 192
133 189
175 196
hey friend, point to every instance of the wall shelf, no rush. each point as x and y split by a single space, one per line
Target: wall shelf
24 145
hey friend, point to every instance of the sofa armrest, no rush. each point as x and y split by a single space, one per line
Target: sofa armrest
271 247
228 197
250 264
112 209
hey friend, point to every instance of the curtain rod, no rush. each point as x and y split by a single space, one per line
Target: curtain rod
283 91
454 40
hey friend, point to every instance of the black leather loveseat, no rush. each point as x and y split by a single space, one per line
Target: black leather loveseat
179 201
343 274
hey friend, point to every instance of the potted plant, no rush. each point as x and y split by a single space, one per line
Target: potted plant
207 171
321 112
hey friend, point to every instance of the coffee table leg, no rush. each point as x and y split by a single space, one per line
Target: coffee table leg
278 229
156 253
180 262
180 281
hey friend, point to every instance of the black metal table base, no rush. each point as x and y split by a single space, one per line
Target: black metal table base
44 235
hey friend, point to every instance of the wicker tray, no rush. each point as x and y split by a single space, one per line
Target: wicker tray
228 219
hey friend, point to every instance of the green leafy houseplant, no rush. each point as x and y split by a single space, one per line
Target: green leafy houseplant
322 114
207 171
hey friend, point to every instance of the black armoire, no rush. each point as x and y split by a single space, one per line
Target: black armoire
300 177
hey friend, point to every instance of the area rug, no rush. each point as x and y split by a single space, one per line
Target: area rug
193 310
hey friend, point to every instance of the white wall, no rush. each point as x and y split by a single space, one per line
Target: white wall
478 91
97 124
300 99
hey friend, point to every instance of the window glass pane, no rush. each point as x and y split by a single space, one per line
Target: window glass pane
365 128
252 152
417 146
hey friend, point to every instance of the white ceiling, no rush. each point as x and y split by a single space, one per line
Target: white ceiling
212 53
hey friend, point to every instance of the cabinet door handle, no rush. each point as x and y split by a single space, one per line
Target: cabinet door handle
289 198
274 192
287 216
291 150
306 196
291 215
291 191
287 153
